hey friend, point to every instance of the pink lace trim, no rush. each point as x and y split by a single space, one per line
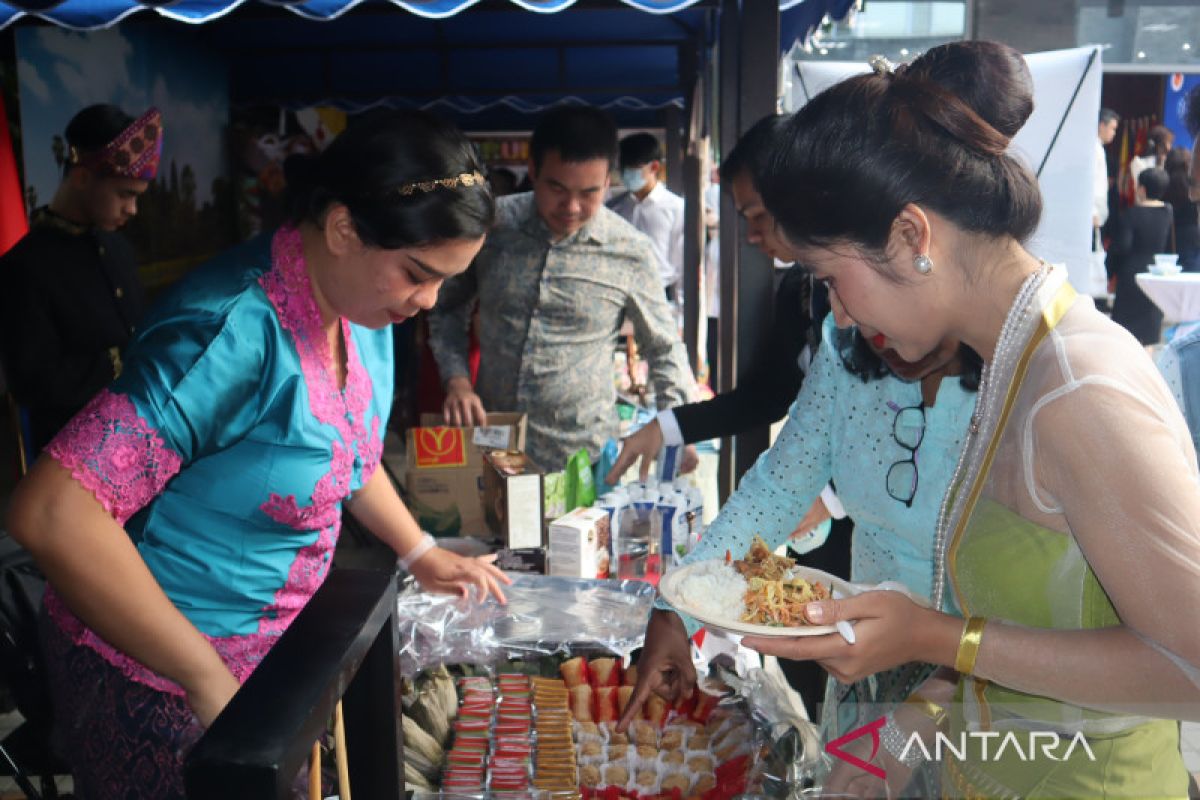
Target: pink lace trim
290 291
328 493
305 577
371 451
115 454
242 654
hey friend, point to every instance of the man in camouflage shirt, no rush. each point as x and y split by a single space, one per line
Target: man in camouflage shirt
558 276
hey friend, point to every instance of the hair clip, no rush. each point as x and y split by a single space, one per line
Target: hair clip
464 179
881 65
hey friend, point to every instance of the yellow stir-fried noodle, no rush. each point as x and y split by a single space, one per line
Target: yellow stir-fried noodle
772 598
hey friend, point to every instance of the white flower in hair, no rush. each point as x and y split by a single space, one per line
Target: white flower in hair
881 65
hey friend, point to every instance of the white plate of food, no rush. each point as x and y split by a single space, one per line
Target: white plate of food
760 595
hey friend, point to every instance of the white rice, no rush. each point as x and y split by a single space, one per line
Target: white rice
714 589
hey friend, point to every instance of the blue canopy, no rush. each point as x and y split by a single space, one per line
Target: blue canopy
91 14
489 69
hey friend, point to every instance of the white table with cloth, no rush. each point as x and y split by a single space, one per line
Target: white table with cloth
1177 295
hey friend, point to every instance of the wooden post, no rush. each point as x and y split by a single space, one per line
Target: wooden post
693 198
673 145
758 93
728 57
748 91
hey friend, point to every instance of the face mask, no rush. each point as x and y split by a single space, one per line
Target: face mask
633 179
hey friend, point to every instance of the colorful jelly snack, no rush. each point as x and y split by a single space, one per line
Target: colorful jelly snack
574 672
604 672
581 703
624 694
630 677
605 704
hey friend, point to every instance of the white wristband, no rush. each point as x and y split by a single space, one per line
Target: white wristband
832 504
670 427
426 544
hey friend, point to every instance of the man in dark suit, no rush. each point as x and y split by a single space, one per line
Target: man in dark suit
72 297
766 394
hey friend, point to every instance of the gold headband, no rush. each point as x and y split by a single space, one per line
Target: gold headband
465 179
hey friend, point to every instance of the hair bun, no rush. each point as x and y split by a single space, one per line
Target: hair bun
990 77
936 134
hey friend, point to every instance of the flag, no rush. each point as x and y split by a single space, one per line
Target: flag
13 222
1140 127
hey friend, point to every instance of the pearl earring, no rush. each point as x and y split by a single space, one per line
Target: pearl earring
923 264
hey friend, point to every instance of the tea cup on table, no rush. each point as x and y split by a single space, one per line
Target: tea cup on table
1166 263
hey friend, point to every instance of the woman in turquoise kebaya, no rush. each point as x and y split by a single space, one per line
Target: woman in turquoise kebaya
189 512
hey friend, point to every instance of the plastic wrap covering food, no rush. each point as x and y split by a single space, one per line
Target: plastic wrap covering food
792 757
544 616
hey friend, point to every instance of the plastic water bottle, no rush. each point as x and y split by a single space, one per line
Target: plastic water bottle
671 528
615 503
636 545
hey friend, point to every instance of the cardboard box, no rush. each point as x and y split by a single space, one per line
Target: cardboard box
513 499
447 502
436 446
579 544
444 477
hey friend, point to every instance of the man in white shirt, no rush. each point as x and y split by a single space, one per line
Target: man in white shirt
651 207
1106 131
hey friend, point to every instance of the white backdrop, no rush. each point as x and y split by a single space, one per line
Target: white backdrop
1065 233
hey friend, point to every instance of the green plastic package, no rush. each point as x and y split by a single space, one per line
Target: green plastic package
554 493
580 483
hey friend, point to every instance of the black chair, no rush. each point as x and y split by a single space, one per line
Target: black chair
25 753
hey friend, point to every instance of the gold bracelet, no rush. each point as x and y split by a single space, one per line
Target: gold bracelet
968 645
926 707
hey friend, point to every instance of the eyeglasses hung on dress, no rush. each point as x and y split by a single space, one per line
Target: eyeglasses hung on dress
908 429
